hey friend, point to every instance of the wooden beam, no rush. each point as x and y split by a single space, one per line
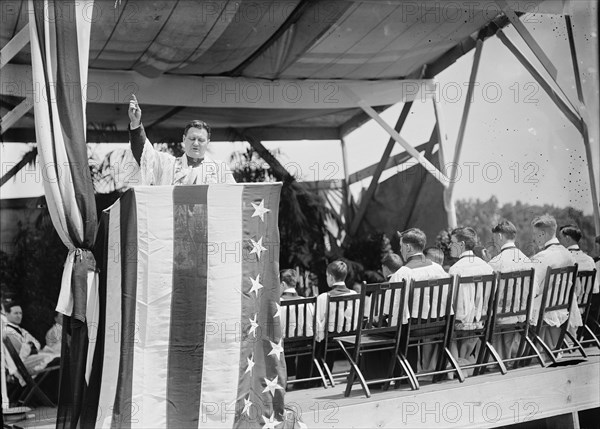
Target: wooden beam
366 198
396 136
14 46
115 87
346 188
358 120
27 135
442 132
15 114
528 38
572 116
393 161
279 170
27 158
449 191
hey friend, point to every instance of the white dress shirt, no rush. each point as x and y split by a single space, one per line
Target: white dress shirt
345 322
554 255
296 321
585 263
467 307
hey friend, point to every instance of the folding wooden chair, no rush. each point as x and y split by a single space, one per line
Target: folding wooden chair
32 383
558 294
480 291
584 302
379 331
430 323
298 325
513 304
342 318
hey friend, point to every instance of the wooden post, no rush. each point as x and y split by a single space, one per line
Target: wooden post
346 186
448 192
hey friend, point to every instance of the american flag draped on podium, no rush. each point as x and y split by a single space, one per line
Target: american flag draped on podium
189 332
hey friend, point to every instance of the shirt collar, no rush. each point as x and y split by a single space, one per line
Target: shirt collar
508 245
551 242
574 247
467 253
290 291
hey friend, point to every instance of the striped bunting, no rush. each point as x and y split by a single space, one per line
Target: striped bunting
190 335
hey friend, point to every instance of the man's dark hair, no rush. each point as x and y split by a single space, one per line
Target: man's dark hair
392 262
289 277
338 270
434 254
572 231
415 237
506 228
467 235
197 124
8 304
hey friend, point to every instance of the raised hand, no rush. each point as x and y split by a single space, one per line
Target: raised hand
134 111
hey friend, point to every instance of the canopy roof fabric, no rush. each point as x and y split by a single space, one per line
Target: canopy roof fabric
284 54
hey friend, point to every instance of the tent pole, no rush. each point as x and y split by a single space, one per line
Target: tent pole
448 192
584 129
346 187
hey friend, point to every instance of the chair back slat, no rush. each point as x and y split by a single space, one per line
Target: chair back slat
298 318
559 288
385 310
423 291
483 290
514 294
586 284
341 316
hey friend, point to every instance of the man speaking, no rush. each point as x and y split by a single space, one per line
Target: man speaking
161 168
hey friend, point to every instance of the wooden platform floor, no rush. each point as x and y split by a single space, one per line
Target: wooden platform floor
490 400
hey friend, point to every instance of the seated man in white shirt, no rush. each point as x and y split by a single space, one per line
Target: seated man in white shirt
552 255
24 343
468 307
161 168
418 267
508 260
570 236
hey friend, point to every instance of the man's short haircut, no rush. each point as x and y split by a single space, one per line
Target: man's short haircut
506 228
196 123
9 304
289 277
434 254
572 231
338 270
545 223
467 235
415 237
392 262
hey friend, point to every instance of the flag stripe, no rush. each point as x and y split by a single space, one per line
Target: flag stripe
112 324
154 292
223 303
123 402
188 306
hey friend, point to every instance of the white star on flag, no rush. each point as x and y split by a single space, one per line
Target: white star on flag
278 312
247 405
276 350
272 386
255 284
250 364
257 247
260 210
253 326
270 422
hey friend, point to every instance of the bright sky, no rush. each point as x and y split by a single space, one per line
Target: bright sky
518 145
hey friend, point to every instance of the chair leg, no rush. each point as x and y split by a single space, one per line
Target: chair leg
318 366
354 371
35 390
594 337
454 363
576 343
497 358
412 378
545 347
328 371
536 351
